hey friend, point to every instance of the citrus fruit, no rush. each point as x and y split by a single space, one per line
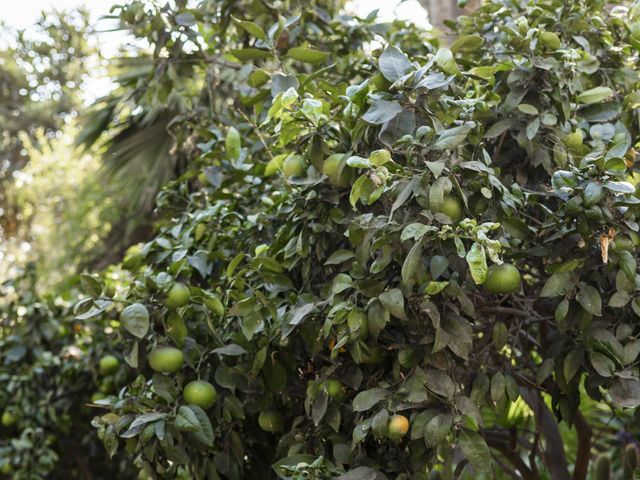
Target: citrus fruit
9 419
333 386
166 359
550 40
270 421
503 278
332 168
398 427
200 393
294 166
108 365
451 208
275 376
6 468
574 139
178 295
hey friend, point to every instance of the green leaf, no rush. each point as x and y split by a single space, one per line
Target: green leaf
433 288
411 263
368 399
625 392
572 363
393 302
258 78
358 162
440 383
528 109
307 55
382 111
499 128
135 319
477 261
589 298
233 264
628 264
360 473
380 423
91 285
380 157
602 364
450 139
251 28
595 95
233 144
393 64
415 231
437 429
444 59
498 387
557 284
249 54
192 419
176 328
475 449
339 256
467 43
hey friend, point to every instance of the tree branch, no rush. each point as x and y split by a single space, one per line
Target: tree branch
500 441
553 454
584 447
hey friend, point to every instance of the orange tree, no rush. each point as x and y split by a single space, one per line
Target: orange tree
400 261
52 366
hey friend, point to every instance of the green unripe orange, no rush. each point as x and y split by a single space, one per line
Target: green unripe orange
451 207
294 166
178 296
333 387
8 419
332 169
574 139
200 393
108 365
271 421
502 279
398 427
166 359
550 40
6 469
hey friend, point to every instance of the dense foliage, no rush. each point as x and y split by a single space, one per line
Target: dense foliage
381 257
50 372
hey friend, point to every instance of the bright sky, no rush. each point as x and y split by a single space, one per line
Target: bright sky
24 14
